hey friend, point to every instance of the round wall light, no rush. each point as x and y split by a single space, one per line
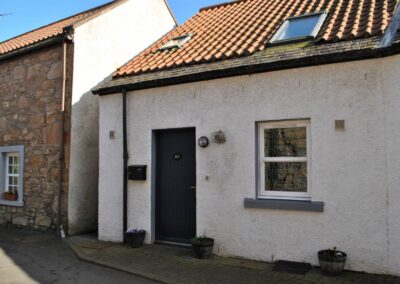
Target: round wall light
203 142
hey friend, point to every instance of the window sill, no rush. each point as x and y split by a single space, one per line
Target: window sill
11 203
312 206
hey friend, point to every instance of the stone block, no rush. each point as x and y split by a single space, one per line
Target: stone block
22 102
43 221
19 73
53 134
55 71
20 220
33 71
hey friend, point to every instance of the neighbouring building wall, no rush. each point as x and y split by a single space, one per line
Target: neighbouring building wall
30 103
101 46
355 172
390 93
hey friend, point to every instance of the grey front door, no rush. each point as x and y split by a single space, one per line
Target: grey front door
175 185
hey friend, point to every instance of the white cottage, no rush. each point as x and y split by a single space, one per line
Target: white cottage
269 125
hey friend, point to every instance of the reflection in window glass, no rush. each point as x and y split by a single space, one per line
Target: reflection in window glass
285 142
288 176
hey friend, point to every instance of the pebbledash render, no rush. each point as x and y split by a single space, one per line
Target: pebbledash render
48 117
270 126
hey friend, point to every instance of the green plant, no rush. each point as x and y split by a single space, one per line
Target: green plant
332 254
10 192
202 240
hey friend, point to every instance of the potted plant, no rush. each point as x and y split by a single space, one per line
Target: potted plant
332 261
135 237
10 195
203 246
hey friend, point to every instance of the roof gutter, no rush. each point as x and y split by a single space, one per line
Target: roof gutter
254 68
34 47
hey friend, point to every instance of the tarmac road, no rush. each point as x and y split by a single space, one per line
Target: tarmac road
31 257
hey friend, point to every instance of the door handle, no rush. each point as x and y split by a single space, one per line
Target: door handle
193 187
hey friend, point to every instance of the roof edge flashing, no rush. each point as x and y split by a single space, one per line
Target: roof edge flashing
351 55
391 30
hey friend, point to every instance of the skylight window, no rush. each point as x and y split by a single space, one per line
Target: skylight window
299 28
176 42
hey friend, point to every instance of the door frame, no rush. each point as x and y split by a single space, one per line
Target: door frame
154 176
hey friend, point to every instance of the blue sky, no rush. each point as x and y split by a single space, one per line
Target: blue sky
30 14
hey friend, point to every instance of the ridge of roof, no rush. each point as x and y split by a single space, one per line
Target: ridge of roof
19 43
219 5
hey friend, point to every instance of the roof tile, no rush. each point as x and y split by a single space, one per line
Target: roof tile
46 32
244 27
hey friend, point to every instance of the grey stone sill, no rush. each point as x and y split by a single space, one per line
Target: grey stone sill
12 203
312 206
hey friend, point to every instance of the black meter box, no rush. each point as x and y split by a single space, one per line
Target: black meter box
137 172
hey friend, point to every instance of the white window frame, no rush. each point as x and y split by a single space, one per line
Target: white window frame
261 192
5 152
282 28
176 42
8 174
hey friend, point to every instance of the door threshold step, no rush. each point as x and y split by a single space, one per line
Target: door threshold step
172 243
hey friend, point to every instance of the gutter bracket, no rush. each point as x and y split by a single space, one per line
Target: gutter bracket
68 33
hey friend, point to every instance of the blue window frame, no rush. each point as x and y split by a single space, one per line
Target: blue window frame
11 173
299 27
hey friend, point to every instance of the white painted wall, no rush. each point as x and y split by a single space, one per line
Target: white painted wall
101 46
355 172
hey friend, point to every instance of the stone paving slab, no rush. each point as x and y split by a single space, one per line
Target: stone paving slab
169 264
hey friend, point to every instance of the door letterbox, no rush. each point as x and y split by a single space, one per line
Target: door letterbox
137 172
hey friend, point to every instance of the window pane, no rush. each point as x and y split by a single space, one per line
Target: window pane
15 169
300 27
15 181
286 176
285 142
10 181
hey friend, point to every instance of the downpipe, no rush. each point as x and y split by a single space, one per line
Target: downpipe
125 165
60 230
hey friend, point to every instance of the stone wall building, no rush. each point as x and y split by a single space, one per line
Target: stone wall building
31 95
49 120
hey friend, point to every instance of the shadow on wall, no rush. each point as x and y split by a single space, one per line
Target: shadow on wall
84 169
84 164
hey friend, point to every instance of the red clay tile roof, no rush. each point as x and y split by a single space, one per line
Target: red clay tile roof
244 27
46 32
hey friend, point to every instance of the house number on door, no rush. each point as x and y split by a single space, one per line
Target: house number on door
177 156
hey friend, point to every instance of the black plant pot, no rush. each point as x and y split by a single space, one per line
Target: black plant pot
203 247
135 240
332 265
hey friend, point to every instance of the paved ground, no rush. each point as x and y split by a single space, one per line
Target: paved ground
177 265
27 257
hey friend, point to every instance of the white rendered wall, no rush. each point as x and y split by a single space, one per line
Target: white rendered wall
355 172
101 46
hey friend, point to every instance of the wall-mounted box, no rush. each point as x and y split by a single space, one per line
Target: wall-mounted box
137 172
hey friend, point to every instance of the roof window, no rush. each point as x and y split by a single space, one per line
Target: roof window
299 28
176 42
